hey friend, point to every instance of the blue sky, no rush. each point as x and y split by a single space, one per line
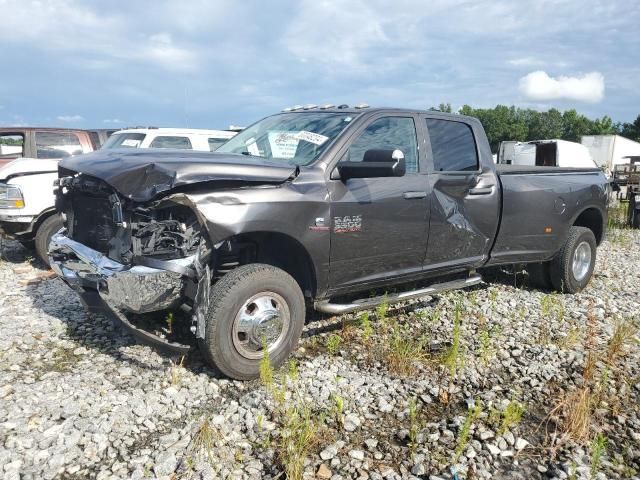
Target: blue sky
213 63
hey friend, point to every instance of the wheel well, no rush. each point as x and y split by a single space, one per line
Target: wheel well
592 219
271 248
41 218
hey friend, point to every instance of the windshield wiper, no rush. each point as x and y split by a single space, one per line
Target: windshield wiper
246 153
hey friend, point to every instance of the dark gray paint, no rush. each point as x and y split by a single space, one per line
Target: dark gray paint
449 228
142 175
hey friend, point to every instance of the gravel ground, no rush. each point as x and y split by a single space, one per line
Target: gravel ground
482 382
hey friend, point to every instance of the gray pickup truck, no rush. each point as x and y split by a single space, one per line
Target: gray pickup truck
313 208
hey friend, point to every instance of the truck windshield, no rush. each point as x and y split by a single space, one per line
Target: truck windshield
124 140
295 138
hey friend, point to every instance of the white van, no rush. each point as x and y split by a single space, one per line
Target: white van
183 138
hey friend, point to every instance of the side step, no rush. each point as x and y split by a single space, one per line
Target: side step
366 303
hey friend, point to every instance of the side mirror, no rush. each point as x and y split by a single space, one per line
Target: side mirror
375 163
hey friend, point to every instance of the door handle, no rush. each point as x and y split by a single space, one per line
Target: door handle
481 190
412 195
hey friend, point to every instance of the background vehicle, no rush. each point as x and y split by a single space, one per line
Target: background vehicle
182 138
314 207
99 136
28 166
610 150
545 153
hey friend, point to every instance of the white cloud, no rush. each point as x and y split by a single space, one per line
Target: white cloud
112 120
540 86
73 26
70 118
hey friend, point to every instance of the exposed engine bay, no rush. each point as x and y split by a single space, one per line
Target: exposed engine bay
126 231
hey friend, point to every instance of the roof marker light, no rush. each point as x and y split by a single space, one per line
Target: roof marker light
311 106
362 105
287 109
297 107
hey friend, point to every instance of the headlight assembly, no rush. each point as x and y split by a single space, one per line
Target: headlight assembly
11 196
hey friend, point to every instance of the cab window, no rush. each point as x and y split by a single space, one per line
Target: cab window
452 145
57 144
11 146
166 141
388 133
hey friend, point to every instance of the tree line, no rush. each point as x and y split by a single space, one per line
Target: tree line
523 124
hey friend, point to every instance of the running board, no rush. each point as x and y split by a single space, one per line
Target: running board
366 303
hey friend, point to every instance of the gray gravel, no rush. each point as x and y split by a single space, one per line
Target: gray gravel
80 399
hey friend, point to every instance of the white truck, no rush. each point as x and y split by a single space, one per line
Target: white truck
181 138
545 153
27 203
28 166
610 150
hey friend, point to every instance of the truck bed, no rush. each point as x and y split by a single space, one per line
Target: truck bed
538 206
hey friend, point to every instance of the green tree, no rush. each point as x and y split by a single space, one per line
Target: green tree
630 130
443 107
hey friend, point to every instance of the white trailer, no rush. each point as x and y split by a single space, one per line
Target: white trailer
545 153
610 150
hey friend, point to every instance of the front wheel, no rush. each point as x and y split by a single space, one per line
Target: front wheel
44 233
572 268
252 307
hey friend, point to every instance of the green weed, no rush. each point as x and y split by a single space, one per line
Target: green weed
597 448
337 408
453 358
511 416
463 436
332 343
367 327
414 426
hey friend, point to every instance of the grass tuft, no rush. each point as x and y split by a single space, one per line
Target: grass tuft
623 334
511 416
403 351
297 439
204 440
463 436
597 449
332 343
453 357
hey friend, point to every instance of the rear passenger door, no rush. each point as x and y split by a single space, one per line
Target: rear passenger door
465 201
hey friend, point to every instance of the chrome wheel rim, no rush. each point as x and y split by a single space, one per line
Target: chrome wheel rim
262 320
581 261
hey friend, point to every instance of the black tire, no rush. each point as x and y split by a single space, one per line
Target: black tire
540 275
635 222
562 274
44 233
227 298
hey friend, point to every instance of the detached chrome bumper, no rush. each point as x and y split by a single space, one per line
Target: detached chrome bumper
136 289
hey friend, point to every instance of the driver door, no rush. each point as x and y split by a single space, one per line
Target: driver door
379 225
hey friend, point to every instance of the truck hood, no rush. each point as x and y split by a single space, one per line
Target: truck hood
27 166
143 174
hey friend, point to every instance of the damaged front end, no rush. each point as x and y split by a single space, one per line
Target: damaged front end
124 257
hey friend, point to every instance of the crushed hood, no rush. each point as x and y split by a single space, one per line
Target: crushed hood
143 174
